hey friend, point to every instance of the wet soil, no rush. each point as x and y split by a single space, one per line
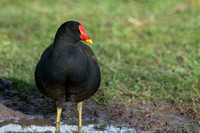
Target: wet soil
32 108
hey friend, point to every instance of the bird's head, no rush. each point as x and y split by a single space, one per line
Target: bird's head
74 31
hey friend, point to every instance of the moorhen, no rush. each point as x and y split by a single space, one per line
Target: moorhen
68 70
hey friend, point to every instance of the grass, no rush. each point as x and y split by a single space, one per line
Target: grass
147 50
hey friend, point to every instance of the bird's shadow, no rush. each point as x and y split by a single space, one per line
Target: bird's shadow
28 100
24 97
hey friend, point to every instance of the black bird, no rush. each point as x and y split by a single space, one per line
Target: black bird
68 70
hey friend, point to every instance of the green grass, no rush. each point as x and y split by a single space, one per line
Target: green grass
157 59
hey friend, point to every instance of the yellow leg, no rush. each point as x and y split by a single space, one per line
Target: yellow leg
57 127
79 109
59 111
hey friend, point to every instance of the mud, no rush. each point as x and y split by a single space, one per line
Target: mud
31 111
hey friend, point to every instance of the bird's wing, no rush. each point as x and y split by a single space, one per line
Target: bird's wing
47 50
88 51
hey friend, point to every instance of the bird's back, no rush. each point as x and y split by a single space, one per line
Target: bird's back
68 74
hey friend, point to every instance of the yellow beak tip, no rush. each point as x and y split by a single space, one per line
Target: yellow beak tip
89 41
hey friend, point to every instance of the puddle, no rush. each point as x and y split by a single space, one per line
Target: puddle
29 111
94 128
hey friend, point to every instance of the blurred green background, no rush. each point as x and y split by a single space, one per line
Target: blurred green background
148 50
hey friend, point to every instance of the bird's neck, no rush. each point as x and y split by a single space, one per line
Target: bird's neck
62 41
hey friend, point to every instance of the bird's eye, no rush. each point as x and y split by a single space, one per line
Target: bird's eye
73 29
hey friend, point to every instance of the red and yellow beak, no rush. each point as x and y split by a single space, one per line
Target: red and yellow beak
84 36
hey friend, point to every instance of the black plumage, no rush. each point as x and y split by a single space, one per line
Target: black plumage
68 69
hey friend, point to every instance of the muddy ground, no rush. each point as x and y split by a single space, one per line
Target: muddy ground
32 108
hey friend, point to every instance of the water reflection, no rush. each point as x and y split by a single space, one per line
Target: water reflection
94 128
